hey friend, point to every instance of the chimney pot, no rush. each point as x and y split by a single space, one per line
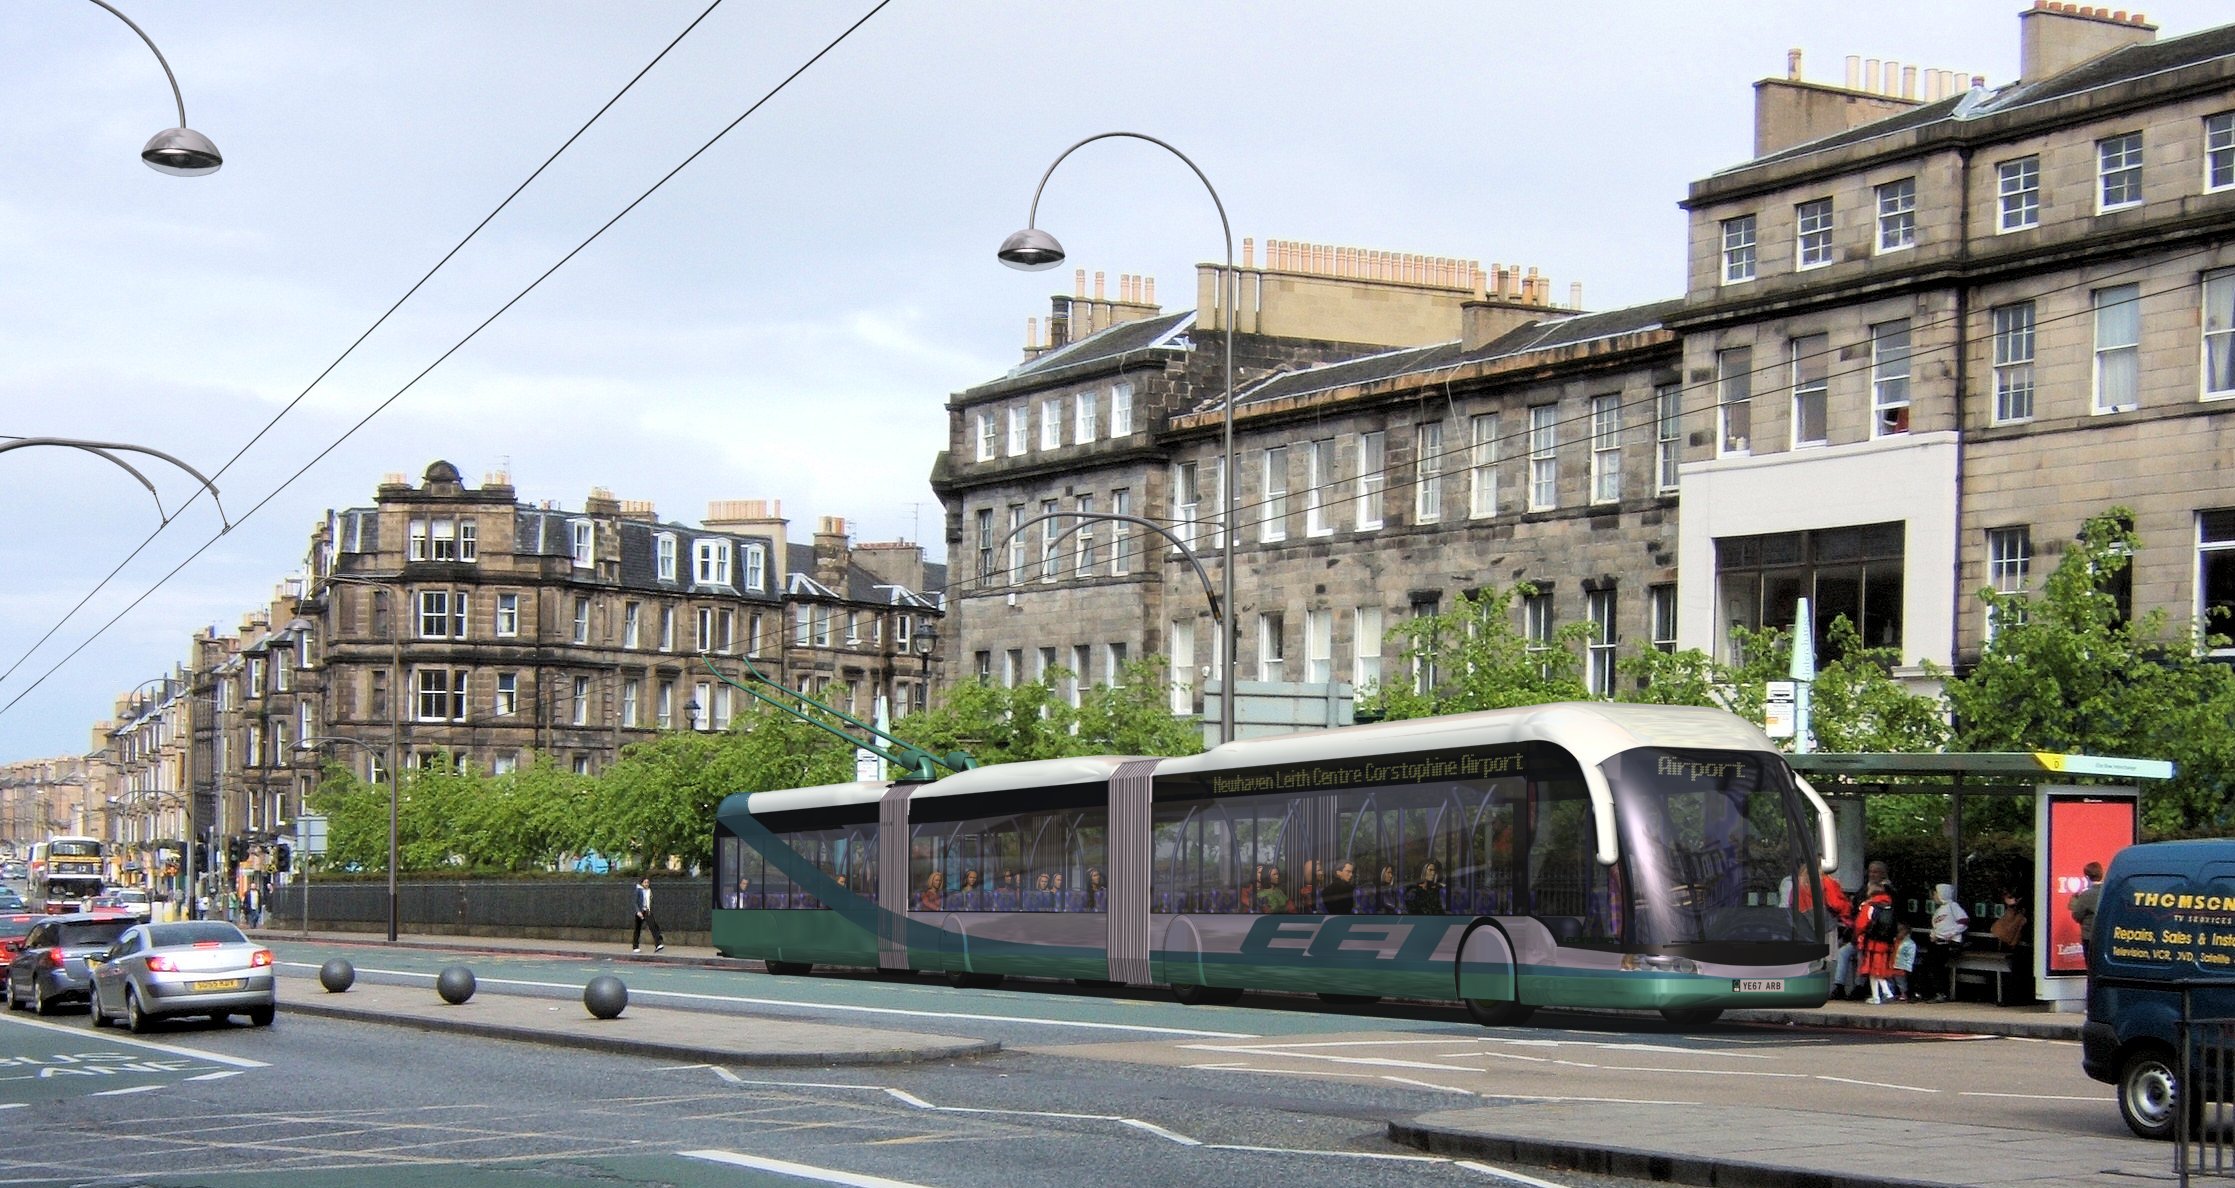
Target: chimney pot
1148 290
1792 64
1098 294
1078 282
1575 294
1854 72
1870 75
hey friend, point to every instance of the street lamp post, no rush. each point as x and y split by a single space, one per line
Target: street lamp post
312 744
180 151
927 642
1034 250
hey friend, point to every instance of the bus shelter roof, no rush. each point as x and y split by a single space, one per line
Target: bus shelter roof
1962 764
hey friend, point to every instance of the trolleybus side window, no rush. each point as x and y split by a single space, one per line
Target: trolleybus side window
1052 859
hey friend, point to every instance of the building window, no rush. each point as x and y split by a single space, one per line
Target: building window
1889 378
985 546
1319 646
1121 533
1121 410
2013 362
2018 189
632 624
632 689
1012 668
1738 249
1598 671
1319 480
1082 419
1536 627
508 615
803 624
1661 610
753 626
663 548
2215 578
2118 166
1371 479
1180 640
508 694
1051 423
2009 564
1187 500
2118 348
989 437
1082 561
981 663
1855 572
711 563
1271 651
1051 542
822 626
756 568
1427 467
1482 465
2219 151
584 534
665 707
667 628
1082 666
1811 389
442 695
1016 544
581 620
1734 399
1897 215
579 705
1365 643
1020 430
2219 334
1273 524
1812 238
703 640
1427 658
442 614
1544 472
1113 660
1606 448
1668 435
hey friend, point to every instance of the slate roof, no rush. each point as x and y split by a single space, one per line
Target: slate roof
865 587
1164 332
1547 334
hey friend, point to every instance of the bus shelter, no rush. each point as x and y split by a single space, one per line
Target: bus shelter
2086 807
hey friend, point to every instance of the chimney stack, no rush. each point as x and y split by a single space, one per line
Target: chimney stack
2054 37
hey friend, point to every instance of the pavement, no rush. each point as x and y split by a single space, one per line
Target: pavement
1735 1147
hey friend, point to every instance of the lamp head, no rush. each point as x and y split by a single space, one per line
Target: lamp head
1030 250
181 151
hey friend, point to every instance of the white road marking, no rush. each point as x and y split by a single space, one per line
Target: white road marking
173 1049
1594 1100
217 1076
832 1006
911 1099
1874 1084
1699 1072
1428 1085
802 1171
1161 1133
2035 1096
122 1092
1318 1073
680 1067
1604 1046
1316 1154
14 1105
726 1074
1510 1177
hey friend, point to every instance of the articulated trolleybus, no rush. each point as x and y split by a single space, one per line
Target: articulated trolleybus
1600 855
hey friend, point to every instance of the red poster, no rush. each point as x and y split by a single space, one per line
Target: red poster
2082 829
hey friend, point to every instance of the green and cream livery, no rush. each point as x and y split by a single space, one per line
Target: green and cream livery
1586 854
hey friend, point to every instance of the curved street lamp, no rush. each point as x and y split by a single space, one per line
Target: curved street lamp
1034 250
106 450
180 151
312 744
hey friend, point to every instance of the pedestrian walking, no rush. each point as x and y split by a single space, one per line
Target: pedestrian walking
645 919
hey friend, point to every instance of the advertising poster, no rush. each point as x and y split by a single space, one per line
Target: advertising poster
2082 828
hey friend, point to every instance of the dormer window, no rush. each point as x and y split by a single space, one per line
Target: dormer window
585 542
712 563
663 547
756 568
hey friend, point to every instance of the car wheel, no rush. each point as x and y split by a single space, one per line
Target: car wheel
262 1016
39 1003
135 1018
1691 1016
100 1018
1491 1013
2149 1092
7 993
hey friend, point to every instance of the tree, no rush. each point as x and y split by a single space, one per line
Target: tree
1475 659
2067 671
657 802
1035 721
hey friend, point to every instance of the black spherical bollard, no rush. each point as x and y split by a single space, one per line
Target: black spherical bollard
455 984
606 996
337 975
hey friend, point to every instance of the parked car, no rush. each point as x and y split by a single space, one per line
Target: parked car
126 901
14 926
50 969
11 900
2164 923
194 967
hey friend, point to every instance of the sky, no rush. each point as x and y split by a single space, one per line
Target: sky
787 317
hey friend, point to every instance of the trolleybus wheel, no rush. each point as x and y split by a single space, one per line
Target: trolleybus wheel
1492 1013
973 981
788 968
1206 995
1691 1016
1350 999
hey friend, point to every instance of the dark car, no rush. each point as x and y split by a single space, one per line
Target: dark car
10 900
50 970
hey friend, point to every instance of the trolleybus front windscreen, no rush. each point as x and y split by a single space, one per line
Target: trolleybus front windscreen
1714 849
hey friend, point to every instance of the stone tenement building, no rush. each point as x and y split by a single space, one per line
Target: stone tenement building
1926 333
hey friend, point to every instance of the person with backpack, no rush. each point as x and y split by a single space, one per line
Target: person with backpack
1877 934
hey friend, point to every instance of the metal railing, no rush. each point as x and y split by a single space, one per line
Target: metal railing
2204 1094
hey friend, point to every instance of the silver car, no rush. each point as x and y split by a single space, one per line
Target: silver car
193 967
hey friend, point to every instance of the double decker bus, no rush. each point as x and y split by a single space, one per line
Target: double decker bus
1588 854
64 872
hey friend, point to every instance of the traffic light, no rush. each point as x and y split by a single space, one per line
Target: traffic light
236 848
283 857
